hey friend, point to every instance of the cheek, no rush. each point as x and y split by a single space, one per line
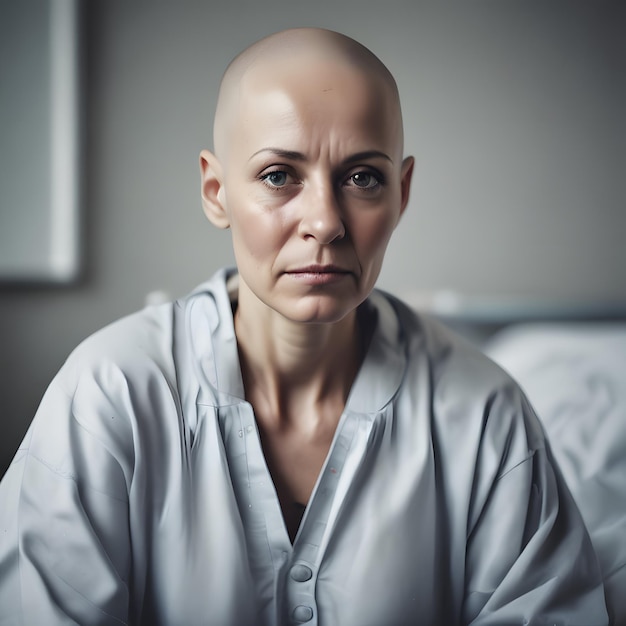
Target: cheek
371 235
257 235
250 241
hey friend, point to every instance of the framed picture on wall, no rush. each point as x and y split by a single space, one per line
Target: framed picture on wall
39 131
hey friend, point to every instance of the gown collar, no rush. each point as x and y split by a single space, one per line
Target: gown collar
211 333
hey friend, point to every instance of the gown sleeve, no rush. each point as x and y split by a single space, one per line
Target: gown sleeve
529 557
64 515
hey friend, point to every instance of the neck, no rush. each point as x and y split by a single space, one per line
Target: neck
291 370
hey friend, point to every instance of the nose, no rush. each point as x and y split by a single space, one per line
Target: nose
322 217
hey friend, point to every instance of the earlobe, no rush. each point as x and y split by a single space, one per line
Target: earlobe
212 190
405 182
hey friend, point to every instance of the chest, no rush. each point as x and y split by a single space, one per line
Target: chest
294 460
351 562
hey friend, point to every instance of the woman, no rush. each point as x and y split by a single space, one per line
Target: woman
286 445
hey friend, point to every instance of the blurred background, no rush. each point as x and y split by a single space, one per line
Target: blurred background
514 109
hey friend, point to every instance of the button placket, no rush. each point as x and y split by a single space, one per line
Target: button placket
300 593
308 551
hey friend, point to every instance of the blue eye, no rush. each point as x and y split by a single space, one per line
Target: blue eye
275 179
365 180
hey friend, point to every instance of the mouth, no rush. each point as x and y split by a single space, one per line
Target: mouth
318 274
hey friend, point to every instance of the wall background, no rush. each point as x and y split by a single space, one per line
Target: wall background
514 111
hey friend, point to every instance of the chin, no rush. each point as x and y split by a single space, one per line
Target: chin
319 310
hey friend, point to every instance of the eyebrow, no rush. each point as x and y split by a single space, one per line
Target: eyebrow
293 155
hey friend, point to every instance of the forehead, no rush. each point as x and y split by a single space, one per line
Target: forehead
312 103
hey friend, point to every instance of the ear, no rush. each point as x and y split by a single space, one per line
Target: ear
212 192
405 181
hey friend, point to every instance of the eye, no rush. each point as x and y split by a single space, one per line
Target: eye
277 178
365 180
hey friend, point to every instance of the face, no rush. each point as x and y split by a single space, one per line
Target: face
312 185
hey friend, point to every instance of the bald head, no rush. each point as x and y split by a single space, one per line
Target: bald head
307 170
290 59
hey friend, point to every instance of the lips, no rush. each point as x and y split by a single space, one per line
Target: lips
318 274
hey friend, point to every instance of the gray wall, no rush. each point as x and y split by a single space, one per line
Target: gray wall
514 110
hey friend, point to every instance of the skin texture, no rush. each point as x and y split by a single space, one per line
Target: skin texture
308 174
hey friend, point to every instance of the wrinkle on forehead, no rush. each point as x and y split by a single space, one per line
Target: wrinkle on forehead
298 58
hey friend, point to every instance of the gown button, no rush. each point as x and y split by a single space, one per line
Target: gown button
301 573
302 613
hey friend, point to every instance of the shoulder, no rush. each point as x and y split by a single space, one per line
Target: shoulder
143 335
480 424
150 342
105 388
153 354
474 402
451 358
138 359
124 383
127 351
140 336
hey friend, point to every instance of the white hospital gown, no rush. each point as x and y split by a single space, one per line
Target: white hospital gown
140 494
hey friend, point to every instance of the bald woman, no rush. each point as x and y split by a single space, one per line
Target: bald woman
288 445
